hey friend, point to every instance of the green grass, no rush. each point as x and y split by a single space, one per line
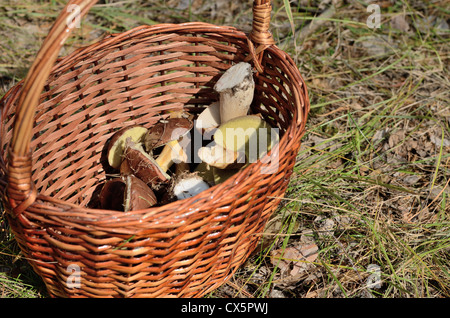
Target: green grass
369 166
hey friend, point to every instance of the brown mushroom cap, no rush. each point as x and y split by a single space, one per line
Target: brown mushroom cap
138 195
165 131
127 193
112 194
125 169
143 166
116 144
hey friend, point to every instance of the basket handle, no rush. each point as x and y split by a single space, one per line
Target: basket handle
260 34
20 190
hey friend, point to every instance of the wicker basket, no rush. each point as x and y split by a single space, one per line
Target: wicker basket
56 122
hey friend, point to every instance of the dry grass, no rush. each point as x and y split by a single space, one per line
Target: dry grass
371 186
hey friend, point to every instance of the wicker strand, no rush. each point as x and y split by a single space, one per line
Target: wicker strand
28 100
21 192
260 34
39 72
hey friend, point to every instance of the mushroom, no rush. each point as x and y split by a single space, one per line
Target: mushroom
112 194
213 175
237 142
126 193
167 133
188 186
171 153
209 119
221 175
138 195
249 134
125 168
205 171
236 88
222 158
138 162
117 143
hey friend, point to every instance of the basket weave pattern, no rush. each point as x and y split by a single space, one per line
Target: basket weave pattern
50 174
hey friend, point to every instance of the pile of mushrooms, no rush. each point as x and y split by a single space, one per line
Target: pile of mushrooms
143 179
232 128
152 164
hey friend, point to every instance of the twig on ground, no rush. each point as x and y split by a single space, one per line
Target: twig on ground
315 24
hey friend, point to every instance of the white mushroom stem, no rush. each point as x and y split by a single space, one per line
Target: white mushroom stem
209 119
189 186
236 88
221 158
173 152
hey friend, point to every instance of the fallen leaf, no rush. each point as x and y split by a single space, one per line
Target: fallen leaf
276 293
411 179
321 83
377 45
295 259
326 226
438 191
396 138
427 23
438 142
399 22
324 4
379 135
